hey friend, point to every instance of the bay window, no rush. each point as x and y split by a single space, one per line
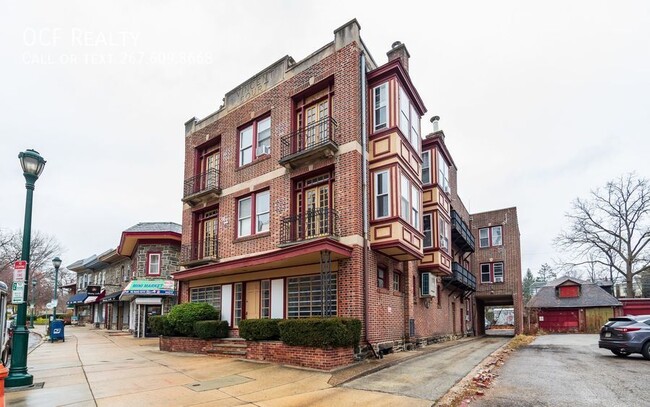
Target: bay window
443 233
405 204
382 194
409 120
443 173
426 226
426 167
380 117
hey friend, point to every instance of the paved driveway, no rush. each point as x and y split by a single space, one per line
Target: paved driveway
429 377
569 370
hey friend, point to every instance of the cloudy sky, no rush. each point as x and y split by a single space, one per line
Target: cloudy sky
540 102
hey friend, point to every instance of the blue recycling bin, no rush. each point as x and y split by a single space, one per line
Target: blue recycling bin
57 330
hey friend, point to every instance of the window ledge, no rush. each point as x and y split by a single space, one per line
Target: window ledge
383 290
398 294
252 237
255 161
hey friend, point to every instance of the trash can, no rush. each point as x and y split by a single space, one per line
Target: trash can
56 330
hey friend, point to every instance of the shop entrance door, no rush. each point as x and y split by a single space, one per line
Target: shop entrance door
150 311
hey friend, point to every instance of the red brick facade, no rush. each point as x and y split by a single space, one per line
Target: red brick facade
315 358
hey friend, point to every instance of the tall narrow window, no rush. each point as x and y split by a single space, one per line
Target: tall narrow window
443 233
484 237
405 204
381 107
443 173
246 145
404 112
397 281
415 207
497 237
426 226
382 277
238 303
498 272
262 211
153 268
426 167
263 136
244 217
485 273
382 194
415 128
266 299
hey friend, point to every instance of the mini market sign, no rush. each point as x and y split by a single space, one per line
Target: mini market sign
150 287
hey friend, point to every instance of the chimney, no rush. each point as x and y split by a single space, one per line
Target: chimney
398 50
434 121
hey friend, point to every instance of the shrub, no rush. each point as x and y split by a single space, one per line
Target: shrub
183 316
320 332
259 329
160 325
211 329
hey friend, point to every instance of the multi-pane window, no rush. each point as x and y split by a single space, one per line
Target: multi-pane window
381 107
238 296
397 281
415 207
409 120
266 299
443 173
492 236
382 276
443 233
210 295
305 296
153 268
405 204
254 207
254 140
382 194
426 226
492 272
426 167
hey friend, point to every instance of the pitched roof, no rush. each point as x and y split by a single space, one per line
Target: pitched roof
155 227
591 295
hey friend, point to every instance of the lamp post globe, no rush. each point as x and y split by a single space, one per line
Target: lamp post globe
57 263
32 164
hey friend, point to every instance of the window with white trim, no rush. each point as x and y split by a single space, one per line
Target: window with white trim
492 236
443 173
209 294
415 207
238 303
265 287
443 235
305 296
154 264
253 207
426 226
405 204
254 140
492 272
382 194
409 120
426 167
380 118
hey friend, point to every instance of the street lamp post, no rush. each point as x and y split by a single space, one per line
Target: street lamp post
32 164
33 305
57 263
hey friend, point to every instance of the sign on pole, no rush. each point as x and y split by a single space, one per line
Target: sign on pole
20 268
18 292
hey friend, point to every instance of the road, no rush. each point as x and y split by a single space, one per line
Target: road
569 370
429 377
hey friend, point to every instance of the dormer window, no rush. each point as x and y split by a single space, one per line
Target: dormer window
568 291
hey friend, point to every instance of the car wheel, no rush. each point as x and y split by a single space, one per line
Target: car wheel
620 354
646 350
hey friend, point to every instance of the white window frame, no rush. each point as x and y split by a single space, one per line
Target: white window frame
381 194
443 233
255 214
263 136
380 100
260 212
426 167
415 206
486 238
405 198
489 233
404 113
489 271
241 230
498 279
500 236
430 230
443 173
150 262
260 137
209 294
244 148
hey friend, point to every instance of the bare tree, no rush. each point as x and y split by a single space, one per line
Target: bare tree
613 227
43 249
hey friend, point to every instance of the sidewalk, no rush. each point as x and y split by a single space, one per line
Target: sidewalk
93 368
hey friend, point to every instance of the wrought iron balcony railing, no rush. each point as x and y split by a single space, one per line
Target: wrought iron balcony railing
315 223
204 250
461 234
312 137
461 277
205 182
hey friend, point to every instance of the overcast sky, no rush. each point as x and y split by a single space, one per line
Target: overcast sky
540 103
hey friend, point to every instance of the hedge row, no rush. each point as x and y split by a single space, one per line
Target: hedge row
311 332
190 319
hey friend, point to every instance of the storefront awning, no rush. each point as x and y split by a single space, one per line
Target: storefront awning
149 287
78 298
112 297
91 299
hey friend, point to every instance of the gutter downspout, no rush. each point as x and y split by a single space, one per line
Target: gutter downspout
364 209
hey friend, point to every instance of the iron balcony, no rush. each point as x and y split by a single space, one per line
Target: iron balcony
461 278
201 186
199 252
460 234
310 143
315 223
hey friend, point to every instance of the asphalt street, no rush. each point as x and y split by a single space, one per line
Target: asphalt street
430 377
569 370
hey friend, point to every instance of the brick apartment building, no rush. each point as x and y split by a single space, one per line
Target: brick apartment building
311 192
497 264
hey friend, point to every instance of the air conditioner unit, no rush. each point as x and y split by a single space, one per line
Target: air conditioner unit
427 284
261 150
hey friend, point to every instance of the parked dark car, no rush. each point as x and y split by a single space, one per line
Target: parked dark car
626 335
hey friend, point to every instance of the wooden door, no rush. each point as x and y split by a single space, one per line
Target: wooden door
596 318
211 169
210 237
316 128
253 300
453 317
317 211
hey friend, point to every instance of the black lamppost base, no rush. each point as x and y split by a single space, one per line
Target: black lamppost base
19 380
